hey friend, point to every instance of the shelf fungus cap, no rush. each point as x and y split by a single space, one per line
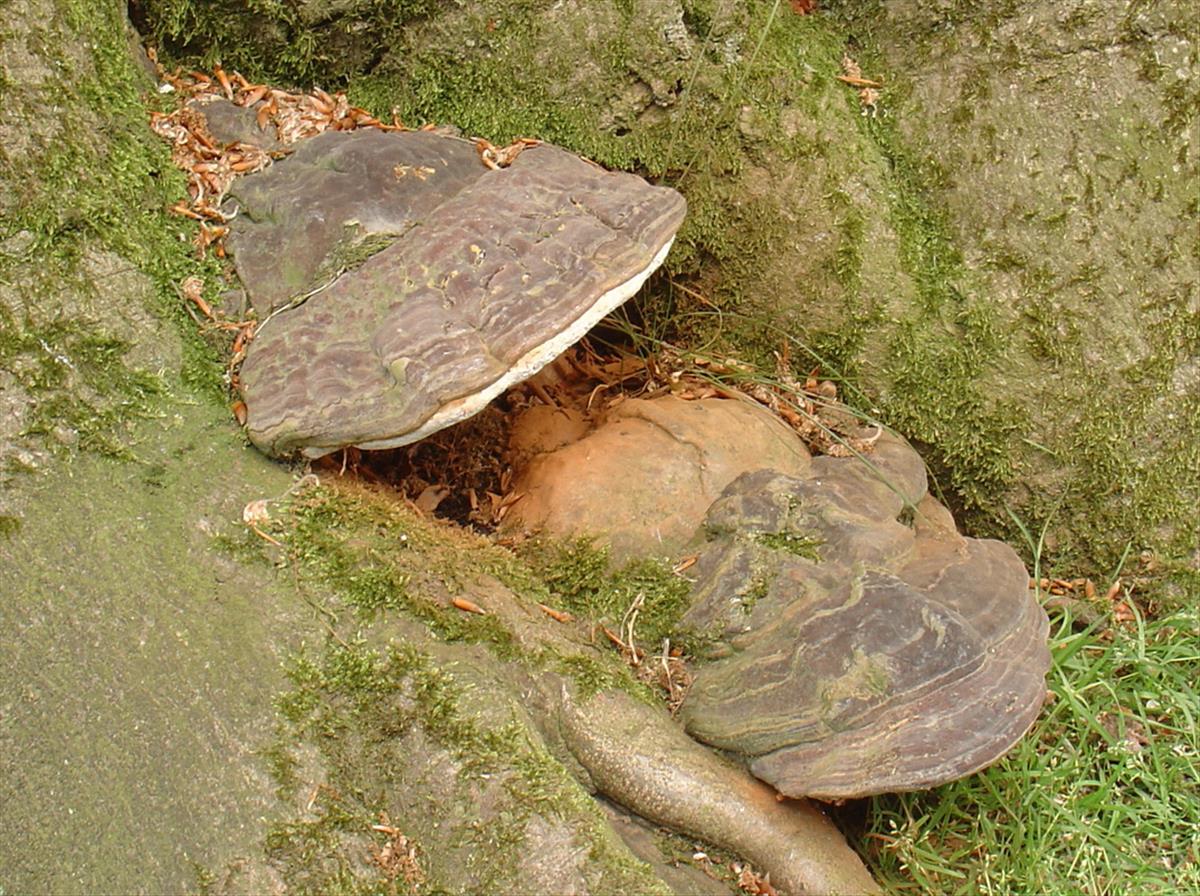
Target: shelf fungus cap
857 652
481 277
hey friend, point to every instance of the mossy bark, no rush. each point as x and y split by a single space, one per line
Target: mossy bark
881 242
144 745
999 255
1059 143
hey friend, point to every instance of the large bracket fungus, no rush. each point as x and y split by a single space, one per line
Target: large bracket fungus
861 645
487 275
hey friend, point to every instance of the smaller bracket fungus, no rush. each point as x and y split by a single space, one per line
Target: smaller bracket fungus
485 276
858 654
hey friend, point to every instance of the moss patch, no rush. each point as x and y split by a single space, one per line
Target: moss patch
578 574
383 561
88 258
384 720
288 42
80 391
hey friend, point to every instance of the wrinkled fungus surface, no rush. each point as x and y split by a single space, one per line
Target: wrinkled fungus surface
486 277
859 654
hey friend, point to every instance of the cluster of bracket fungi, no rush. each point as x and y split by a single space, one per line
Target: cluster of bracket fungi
397 281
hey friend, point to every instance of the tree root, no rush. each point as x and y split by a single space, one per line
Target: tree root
657 771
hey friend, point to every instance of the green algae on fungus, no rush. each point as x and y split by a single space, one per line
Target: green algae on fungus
795 543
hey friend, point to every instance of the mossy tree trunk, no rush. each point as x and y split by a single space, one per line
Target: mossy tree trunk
1000 255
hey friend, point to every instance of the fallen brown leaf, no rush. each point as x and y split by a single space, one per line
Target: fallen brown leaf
558 615
429 499
1124 728
256 512
750 881
859 82
468 606
1122 612
686 563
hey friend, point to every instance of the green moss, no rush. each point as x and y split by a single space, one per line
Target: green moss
99 182
366 550
358 703
281 763
241 545
349 253
312 850
796 543
592 675
574 571
354 704
1100 329
344 692
936 392
283 41
577 572
839 348
82 391
380 561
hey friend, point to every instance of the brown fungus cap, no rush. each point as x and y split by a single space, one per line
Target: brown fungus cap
485 276
859 651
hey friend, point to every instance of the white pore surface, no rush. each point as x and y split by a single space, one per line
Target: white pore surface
525 367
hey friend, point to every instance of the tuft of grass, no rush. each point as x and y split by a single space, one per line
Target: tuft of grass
1102 795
